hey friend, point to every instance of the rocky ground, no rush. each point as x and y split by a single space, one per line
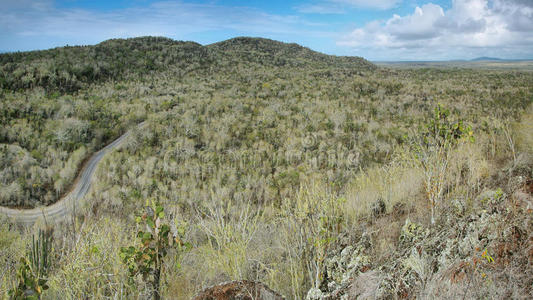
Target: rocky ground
239 290
480 249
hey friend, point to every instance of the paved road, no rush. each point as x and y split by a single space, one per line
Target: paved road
62 208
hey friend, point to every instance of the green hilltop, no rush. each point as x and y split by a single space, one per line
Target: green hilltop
68 69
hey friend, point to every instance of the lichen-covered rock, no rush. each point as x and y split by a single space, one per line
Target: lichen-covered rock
336 265
417 264
411 233
516 182
314 294
365 286
458 207
472 239
342 269
490 198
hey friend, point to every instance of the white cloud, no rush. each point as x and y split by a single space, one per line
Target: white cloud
519 14
469 26
422 24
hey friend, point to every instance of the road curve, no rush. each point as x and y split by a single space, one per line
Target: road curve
62 208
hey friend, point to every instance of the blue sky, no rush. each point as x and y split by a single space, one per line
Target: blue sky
375 29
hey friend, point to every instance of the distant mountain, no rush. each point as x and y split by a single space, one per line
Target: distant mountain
68 69
485 58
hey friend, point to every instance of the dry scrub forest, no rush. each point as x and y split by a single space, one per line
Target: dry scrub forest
321 177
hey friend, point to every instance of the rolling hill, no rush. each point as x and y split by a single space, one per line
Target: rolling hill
266 51
68 69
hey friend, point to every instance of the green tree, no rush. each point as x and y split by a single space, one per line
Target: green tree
432 151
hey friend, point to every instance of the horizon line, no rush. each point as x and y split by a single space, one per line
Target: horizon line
475 59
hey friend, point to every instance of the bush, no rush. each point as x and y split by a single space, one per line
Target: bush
147 258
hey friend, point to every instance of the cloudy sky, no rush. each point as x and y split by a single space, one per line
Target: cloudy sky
374 29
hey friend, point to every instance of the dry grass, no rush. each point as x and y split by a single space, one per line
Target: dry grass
524 131
12 248
88 262
398 182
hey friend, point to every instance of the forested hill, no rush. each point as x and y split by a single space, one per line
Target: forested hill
270 52
68 69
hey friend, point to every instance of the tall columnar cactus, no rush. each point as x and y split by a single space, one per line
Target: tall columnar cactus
40 252
34 267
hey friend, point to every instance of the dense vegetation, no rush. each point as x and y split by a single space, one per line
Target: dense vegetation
49 126
291 167
69 69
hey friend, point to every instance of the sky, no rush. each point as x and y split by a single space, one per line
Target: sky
379 30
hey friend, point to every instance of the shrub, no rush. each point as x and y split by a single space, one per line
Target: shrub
433 149
147 258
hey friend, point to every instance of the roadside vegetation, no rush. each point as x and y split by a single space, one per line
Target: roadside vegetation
322 177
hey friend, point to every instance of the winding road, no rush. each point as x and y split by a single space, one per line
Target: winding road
61 209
